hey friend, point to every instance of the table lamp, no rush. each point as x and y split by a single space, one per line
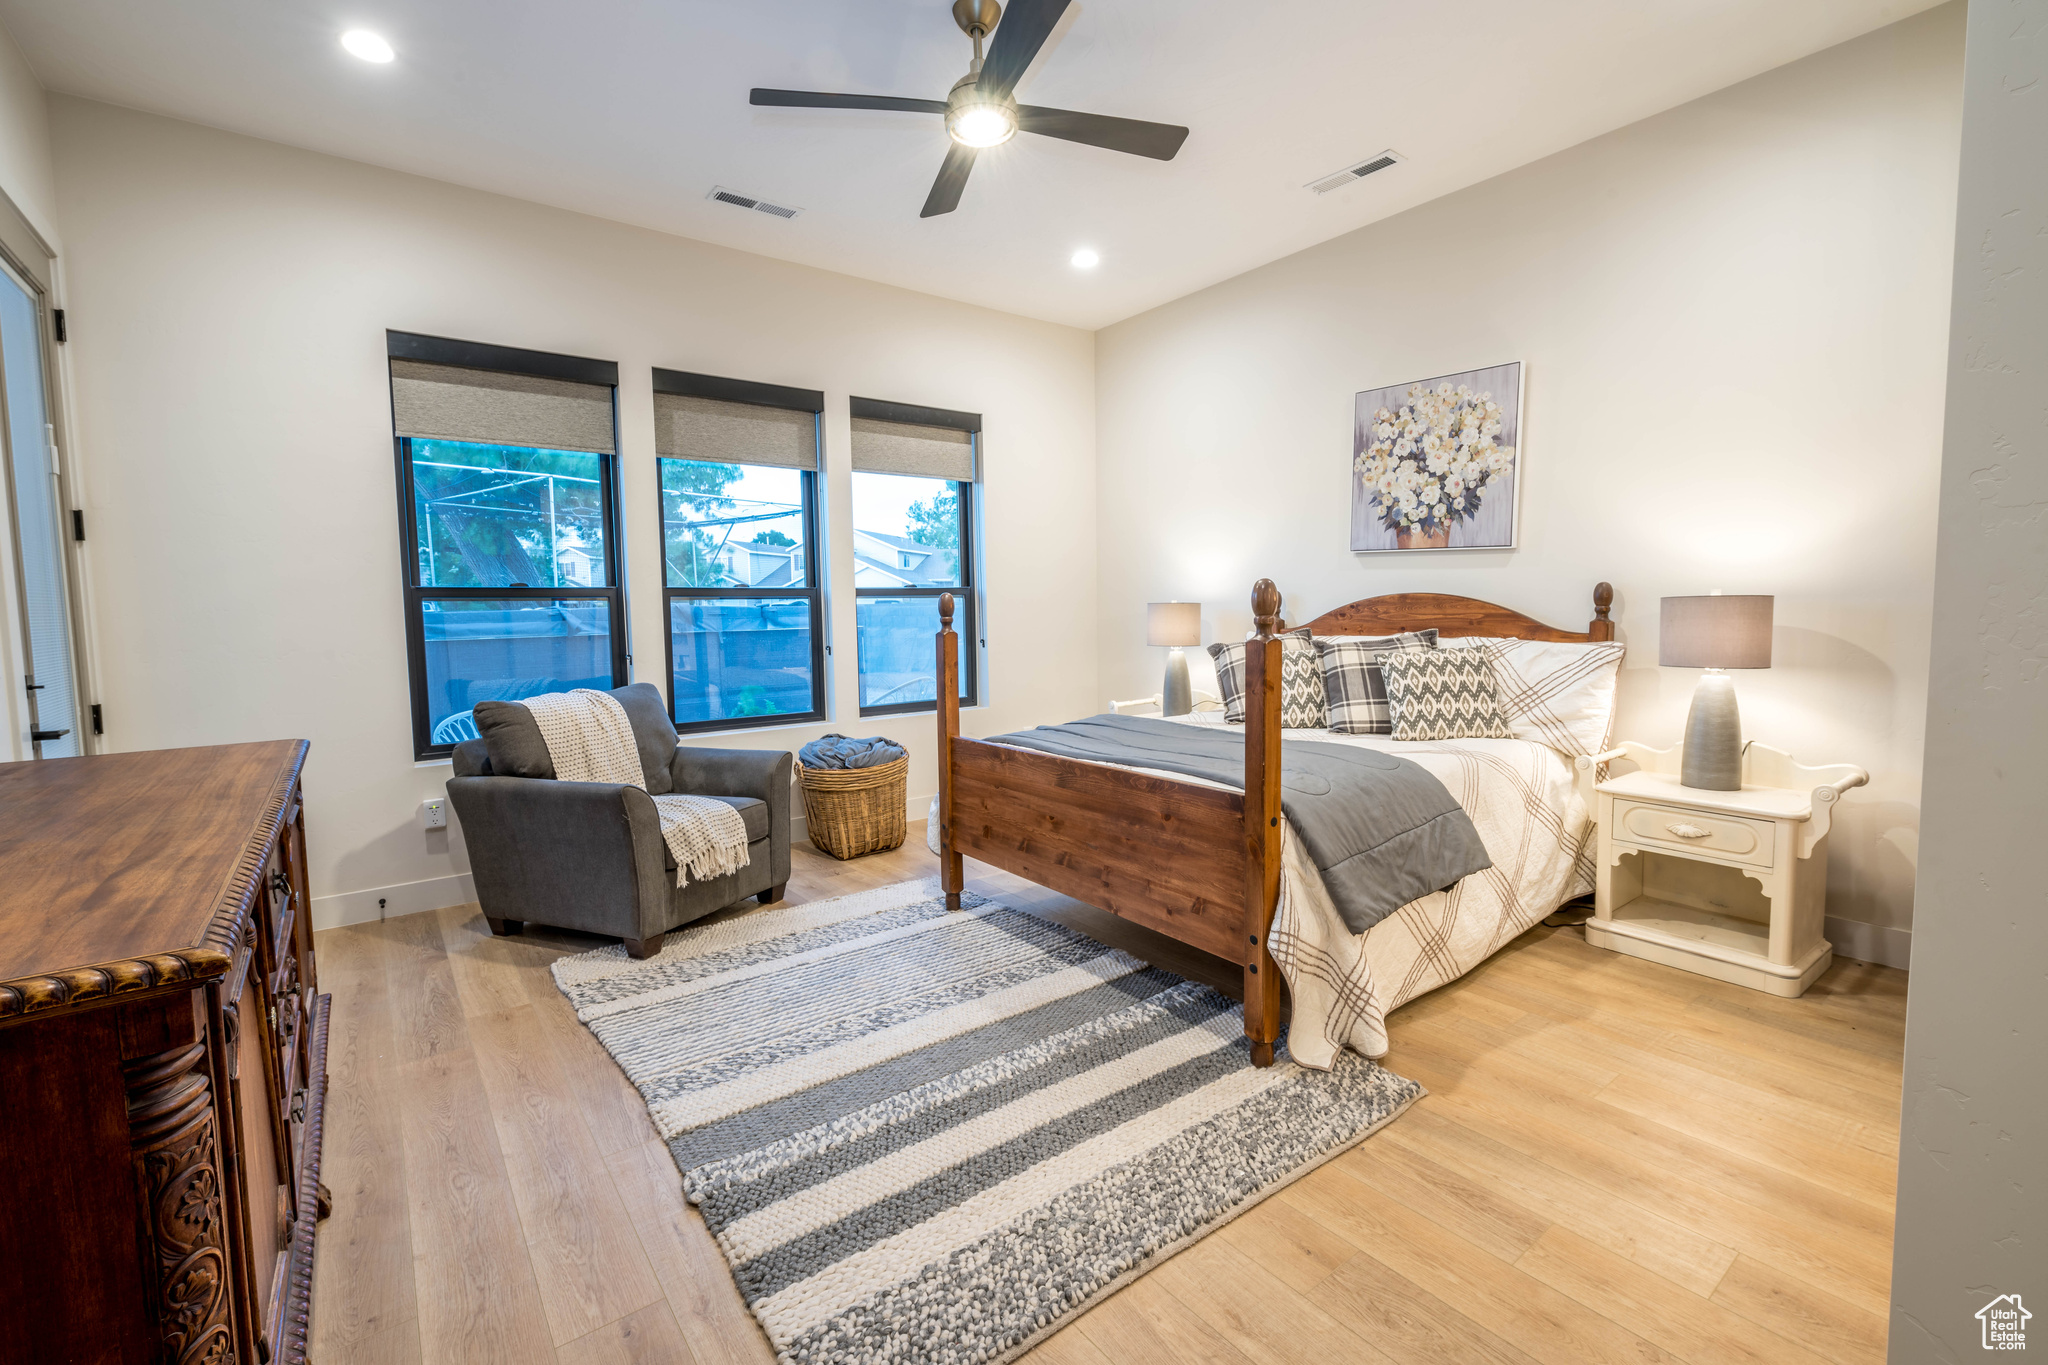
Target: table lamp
1176 625
1714 633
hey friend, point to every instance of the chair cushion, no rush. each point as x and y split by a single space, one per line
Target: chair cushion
654 734
753 814
513 740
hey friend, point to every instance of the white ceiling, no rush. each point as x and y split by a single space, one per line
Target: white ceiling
632 110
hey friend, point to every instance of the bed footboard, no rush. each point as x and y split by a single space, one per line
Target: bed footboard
1160 853
1197 864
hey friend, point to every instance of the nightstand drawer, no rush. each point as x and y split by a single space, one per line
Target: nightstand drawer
1724 836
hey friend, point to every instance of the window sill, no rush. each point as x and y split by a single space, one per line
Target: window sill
815 722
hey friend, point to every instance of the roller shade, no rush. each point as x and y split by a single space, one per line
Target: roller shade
885 447
453 403
690 427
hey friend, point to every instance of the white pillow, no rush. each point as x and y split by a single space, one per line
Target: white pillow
1555 693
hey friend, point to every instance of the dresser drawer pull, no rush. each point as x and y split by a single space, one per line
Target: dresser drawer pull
280 884
299 1105
1689 831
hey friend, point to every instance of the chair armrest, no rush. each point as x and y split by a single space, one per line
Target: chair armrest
763 774
579 855
760 773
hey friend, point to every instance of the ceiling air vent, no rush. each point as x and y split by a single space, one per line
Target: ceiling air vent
1349 174
741 201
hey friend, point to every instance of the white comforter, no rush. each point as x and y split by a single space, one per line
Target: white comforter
1535 825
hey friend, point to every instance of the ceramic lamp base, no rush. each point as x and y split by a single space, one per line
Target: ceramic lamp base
1175 697
1713 737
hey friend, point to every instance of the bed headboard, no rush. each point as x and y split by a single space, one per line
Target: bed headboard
1456 616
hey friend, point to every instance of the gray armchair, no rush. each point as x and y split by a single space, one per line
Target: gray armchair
589 855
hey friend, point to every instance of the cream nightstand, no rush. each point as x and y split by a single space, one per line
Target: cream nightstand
1729 884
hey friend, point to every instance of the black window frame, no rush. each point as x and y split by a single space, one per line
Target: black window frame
508 359
683 383
967 594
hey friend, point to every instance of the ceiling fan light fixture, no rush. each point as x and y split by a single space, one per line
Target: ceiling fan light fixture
979 123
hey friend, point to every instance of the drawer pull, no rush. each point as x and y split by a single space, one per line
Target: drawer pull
1689 831
280 884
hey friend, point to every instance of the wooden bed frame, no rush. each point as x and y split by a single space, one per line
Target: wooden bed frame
1197 864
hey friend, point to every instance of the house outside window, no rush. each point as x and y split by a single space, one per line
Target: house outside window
507 507
914 482
739 510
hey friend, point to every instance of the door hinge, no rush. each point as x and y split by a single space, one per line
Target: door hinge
57 324
96 727
77 524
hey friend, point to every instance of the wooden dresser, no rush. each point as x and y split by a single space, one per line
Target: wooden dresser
162 1059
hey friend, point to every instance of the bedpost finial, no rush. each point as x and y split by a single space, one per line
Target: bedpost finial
1603 598
1266 607
945 611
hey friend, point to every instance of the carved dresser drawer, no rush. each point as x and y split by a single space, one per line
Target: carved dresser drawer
162 1058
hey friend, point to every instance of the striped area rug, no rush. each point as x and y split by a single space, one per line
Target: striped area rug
931 1137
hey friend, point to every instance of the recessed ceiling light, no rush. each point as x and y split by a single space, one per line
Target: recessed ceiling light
367 45
1086 259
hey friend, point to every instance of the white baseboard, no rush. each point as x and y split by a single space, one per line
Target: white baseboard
407 898
1870 942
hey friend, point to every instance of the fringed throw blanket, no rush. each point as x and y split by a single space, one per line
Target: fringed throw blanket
590 740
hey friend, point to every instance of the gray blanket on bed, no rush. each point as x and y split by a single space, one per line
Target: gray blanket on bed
1381 829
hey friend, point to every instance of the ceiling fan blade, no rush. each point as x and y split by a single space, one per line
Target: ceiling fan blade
1023 30
816 99
945 195
1160 141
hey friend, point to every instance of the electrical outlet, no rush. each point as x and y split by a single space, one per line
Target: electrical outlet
434 814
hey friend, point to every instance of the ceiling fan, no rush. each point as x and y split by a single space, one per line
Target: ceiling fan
980 111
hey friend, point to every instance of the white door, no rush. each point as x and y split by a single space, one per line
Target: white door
36 503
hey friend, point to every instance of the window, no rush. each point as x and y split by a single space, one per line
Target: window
505 478
30 471
913 520
739 538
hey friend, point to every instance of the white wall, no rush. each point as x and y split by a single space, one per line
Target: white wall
27 173
1973 1208
229 299
1732 317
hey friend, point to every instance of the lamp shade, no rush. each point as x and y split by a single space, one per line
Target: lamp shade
1715 632
1174 623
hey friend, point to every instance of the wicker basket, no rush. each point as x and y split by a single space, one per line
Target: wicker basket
852 811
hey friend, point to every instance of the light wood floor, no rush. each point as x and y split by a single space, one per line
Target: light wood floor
1616 1162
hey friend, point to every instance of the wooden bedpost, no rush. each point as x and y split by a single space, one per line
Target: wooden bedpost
1262 822
1601 628
948 688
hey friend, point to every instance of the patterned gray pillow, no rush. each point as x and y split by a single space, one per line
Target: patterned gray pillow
1295 645
1443 694
1355 685
1303 705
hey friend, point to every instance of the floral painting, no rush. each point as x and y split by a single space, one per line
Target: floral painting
1435 463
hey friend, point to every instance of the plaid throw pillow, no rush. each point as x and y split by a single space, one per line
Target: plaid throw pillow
1443 694
1294 645
1353 682
1559 693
